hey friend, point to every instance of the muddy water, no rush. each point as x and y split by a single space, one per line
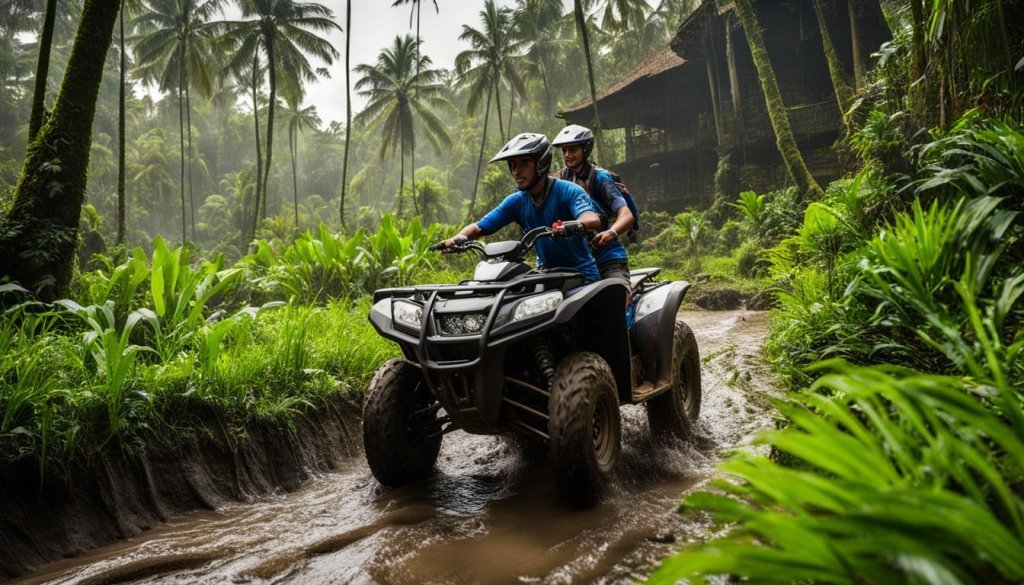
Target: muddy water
489 515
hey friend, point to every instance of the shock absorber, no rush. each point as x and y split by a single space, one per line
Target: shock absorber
545 359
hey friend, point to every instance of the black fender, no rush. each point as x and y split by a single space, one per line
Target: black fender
601 310
653 334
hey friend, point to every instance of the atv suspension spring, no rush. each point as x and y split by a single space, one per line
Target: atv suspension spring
545 359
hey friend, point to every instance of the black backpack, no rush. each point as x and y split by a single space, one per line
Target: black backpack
634 232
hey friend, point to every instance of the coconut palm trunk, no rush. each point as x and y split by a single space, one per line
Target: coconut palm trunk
259 154
121 111
497 103
272 75
35 121
348 110
293 146
480 158
181 140
581 26
784 139
39 233
188 123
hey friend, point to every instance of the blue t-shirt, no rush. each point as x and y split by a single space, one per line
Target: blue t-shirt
607 200
565 201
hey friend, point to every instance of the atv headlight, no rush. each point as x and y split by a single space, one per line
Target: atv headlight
533 306
465 324
408 314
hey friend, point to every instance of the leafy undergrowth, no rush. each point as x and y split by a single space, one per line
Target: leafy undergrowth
900 457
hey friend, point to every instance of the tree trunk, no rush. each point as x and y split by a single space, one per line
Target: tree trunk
293 145
497 101
844 94
412 152
511 107
35 121
272 74
860 67
39 233
401 172
121 112
348 110
581 25
188 122
259 154
181 140
784 138
480 157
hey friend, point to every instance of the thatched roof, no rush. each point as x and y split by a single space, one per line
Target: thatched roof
656 63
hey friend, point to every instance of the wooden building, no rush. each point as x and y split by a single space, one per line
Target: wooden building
694 115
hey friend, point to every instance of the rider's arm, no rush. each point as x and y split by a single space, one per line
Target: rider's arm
590 220
609 192
623 221
470 232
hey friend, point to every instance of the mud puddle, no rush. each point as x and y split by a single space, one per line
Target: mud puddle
490 514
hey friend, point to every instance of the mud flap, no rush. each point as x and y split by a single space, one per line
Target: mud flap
652 335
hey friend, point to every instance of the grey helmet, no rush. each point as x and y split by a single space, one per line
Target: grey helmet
576 134
535 146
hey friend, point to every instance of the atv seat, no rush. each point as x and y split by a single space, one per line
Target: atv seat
639 275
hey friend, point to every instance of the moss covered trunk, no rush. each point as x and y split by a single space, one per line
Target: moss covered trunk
39 234
784 138
42 70
840 85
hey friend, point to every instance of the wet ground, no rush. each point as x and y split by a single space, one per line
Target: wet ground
489 515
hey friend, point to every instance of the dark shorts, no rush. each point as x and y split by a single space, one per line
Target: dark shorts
615 269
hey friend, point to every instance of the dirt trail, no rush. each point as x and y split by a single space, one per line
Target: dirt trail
489 515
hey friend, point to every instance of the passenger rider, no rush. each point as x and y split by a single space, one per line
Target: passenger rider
541 200
577 143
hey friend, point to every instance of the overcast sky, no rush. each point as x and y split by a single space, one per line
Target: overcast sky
374 26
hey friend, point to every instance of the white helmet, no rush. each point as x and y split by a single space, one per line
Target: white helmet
576 134
535 146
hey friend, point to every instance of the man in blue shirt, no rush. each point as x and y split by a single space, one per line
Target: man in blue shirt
577 142
541 200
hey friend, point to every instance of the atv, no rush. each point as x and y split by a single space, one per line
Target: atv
536 352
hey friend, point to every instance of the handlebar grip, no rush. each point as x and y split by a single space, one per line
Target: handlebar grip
438 246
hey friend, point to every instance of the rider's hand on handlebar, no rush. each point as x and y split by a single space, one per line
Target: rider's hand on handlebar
451 244
604 238
565 229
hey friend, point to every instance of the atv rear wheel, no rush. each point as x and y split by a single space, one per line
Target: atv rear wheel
674 413
584 426
399 440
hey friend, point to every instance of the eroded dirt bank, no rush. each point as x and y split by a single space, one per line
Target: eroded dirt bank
118 495
489 515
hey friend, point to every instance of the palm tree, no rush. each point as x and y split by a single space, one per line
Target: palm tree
297 118
284 32
419 42
482 68
490 60
399 97
784 138
172 47
536 25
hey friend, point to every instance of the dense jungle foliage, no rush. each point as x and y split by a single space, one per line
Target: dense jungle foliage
237 286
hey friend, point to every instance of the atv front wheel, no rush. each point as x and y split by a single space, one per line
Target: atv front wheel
399 440
584 426
675 412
